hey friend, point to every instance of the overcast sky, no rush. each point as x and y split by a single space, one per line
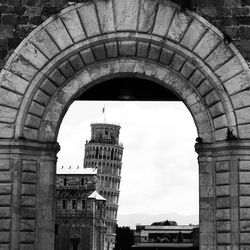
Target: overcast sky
160 169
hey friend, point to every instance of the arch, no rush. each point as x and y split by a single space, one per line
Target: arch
91 42
73 51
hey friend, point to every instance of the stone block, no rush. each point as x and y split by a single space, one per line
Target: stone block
212 98
217 110
244 201
28 177
206 227
244 165
127 48
87 56
205 168
4 225
14 82
206 191
27 237
36 109
206 179
58 32
99 52
193 34
223 202
8 115
166 56
205 87
4 237
197 78
188 69
219 56
206 215
154 52
222 178
178 26
223 190
9 99
126 14
6 131
76 62
27 225
142 49
30 133
244 177
29 166
243 115
244 238
89 19
220 122
206 238
207 44
33 55
223 226
44 42
28 189
4 212
48 87
112 49
5 188
244 213
28 213
73 25
223 238
177 62
148 10
32 121
27 247
245 189
241 99
244 131
41 97
23 68
5 176
65 69
163 20
105 15
229 69
28 201
206 203
5 200
244 226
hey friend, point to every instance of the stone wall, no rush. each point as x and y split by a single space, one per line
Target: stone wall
19 17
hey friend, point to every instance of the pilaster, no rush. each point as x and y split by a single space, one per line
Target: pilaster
224 174
27 191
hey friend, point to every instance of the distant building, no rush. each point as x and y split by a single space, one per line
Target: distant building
87 202
166 237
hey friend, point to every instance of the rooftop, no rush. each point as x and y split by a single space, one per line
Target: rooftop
76 171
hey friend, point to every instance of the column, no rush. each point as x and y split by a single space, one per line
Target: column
27 194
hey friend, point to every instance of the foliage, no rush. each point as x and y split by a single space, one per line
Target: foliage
164 223
124 238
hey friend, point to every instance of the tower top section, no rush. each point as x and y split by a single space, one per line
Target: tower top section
105 133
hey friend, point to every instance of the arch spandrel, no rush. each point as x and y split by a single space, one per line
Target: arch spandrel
93 33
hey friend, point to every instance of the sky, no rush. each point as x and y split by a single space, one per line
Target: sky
159 165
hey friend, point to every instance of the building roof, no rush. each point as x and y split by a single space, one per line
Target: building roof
97 196
76 171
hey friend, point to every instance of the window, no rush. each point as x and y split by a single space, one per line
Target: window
82 181
73 204
64 204
83 204
64 181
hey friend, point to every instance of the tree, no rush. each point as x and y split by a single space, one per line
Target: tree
124 238
164 223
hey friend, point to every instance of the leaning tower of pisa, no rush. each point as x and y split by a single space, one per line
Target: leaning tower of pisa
104 153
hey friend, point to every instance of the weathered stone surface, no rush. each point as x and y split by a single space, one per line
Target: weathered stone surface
222 178
106 17
89 19
73 25
87 56
223 190
127 48
163 19
59 34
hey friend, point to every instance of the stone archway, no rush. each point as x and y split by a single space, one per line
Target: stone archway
88 43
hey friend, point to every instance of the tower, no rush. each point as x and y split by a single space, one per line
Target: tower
104 153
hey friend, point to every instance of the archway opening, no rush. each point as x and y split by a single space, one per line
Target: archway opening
158 135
